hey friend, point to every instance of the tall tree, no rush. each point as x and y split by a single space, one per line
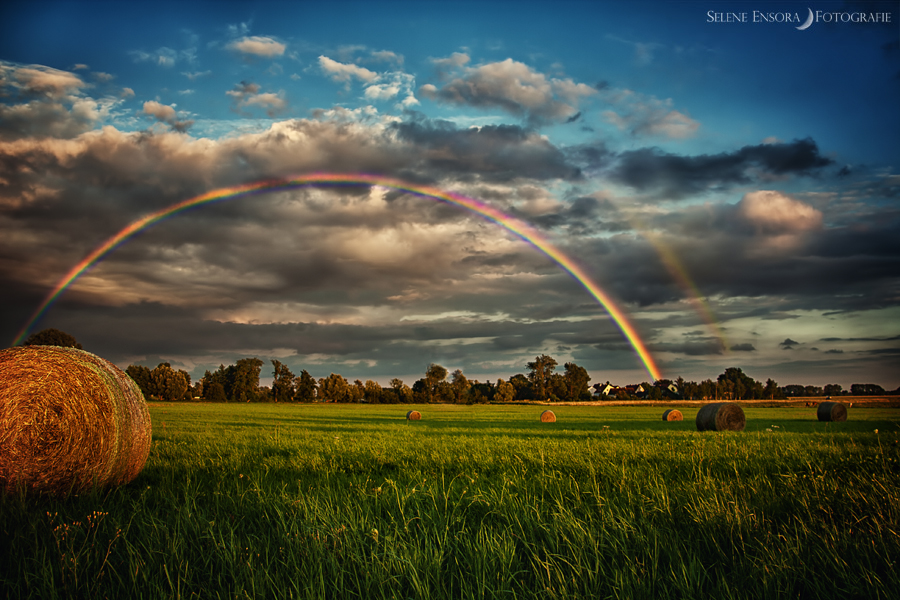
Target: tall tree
168 384
833 389
402 392
539 372
372 392
141 376
460 385
576 383
334 388
282 382
52 337
434 375
244 379
305 387
504 391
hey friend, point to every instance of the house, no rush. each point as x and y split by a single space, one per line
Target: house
604 389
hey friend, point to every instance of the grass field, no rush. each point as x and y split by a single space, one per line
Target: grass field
352 501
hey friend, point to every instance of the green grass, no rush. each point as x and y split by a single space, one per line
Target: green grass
351 501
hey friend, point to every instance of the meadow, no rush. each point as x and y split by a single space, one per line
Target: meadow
353 501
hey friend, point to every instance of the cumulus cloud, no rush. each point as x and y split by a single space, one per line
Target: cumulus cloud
45 81
510 85
343 72
773 212
258 46
248 95
378 86
166 114
41 101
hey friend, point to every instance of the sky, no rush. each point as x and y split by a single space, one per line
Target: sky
727 174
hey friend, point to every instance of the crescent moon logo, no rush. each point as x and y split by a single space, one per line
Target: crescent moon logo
809 21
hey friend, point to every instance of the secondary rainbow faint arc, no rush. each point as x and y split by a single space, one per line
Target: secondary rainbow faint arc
516 226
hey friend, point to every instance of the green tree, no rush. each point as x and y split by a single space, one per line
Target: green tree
734 384
539 372
214 385
141 376
434 376
305 387
282 382
402 392
460 385
52 337
244 379
576 381
522 386
866 389
771 391
373 392
334 388
833 389
169 385
504 392
215 392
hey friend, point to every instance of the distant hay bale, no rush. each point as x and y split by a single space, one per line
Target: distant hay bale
721 416
673 415
548 417
69 421
831 411
413 415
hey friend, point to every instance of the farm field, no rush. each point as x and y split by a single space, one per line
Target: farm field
353 501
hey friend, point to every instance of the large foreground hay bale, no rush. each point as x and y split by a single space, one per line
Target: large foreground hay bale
548 417
831 411
721 416
69 421
673 415
413 415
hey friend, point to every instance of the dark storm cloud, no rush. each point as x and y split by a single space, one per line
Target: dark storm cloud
676 176
788 344
707 347
743 348
497 153
579 214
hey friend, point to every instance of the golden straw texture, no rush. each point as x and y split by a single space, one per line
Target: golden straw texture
721 416
831 411
673 415
548 417
413 415
69 421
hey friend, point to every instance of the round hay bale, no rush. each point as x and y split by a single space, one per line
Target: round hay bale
831 411
548 417
413 415
721 416
69 421
673 415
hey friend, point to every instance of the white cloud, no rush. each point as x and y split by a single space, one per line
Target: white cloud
259 46
641 114
510 85
344 73
165 114
48 81
774 212
247 95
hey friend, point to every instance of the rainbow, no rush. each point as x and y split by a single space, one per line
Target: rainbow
515 226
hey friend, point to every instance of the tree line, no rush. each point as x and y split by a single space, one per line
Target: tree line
240 383
541 381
